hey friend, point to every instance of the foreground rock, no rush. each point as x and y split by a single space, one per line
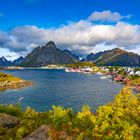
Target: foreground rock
8 121
40 133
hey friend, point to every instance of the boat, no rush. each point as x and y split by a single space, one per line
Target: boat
103 77
111 81
87 70
69 70
99 73
21 98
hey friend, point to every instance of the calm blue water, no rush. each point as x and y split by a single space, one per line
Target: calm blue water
56 87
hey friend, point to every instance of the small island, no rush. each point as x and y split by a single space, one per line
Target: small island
8 81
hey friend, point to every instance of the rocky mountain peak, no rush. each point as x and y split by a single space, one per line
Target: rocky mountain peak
3 59
48 54
118 50
50 44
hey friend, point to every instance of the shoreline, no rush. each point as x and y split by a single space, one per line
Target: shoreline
93 70
15 85
8 81
112 75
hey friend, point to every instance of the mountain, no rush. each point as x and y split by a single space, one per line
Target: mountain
93 57
73 56
47 54
18 61
4 62
115 57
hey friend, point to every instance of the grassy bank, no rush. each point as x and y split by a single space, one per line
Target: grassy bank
80 64
117 120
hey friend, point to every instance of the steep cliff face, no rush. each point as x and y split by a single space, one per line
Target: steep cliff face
45 55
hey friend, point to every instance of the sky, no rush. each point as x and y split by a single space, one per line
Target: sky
82 26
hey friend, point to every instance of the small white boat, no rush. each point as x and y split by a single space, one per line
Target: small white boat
99 73
109 76
67 70
21 98
111 81
104 77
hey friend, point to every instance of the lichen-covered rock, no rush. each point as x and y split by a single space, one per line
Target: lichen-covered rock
8 121
40 133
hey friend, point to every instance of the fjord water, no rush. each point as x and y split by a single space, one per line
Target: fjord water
56 87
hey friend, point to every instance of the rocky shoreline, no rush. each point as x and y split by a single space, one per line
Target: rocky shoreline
15 85
10 82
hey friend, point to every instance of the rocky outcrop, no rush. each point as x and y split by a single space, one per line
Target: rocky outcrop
8 121
14 85
10 82
40 133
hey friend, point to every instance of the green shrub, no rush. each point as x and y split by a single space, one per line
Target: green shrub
60 117
30 120
14 110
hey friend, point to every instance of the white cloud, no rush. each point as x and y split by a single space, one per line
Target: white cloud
82 37
8 54
107 16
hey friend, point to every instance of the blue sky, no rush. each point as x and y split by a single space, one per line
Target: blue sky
52 13
24 24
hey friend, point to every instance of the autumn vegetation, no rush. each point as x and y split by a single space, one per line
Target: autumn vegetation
117 120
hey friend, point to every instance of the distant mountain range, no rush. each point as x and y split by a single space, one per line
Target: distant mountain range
50 54
4 62
114 57
18 61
